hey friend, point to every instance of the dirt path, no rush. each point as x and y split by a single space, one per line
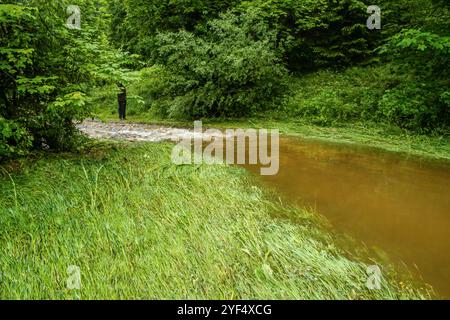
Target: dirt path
137 132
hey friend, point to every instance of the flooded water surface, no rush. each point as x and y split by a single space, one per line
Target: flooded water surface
387 200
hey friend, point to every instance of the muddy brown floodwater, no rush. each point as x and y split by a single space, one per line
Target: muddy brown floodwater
387 200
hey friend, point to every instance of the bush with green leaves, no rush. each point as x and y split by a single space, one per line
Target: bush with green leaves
379 95
420 102
233 69
14 139
420 54
329 97
413 106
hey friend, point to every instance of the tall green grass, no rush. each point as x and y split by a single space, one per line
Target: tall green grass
140 227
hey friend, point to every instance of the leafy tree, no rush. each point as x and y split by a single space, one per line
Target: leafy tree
47 70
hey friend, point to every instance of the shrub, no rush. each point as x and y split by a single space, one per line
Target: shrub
424 58
232 70
329 97
375 94
14 139
414 106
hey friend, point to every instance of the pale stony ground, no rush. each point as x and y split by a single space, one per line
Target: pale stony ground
139 132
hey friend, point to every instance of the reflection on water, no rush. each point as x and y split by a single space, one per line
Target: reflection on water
387 200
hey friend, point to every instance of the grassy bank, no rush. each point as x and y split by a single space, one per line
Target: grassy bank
140 227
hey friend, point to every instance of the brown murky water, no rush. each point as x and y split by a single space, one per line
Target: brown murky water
387 200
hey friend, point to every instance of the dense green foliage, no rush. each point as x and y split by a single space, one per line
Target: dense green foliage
227 74
136 23
423 99
235 64
221 59
202 71
317 33
310 33
47 70
373 95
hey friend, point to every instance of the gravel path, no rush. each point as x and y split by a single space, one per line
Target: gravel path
138 132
